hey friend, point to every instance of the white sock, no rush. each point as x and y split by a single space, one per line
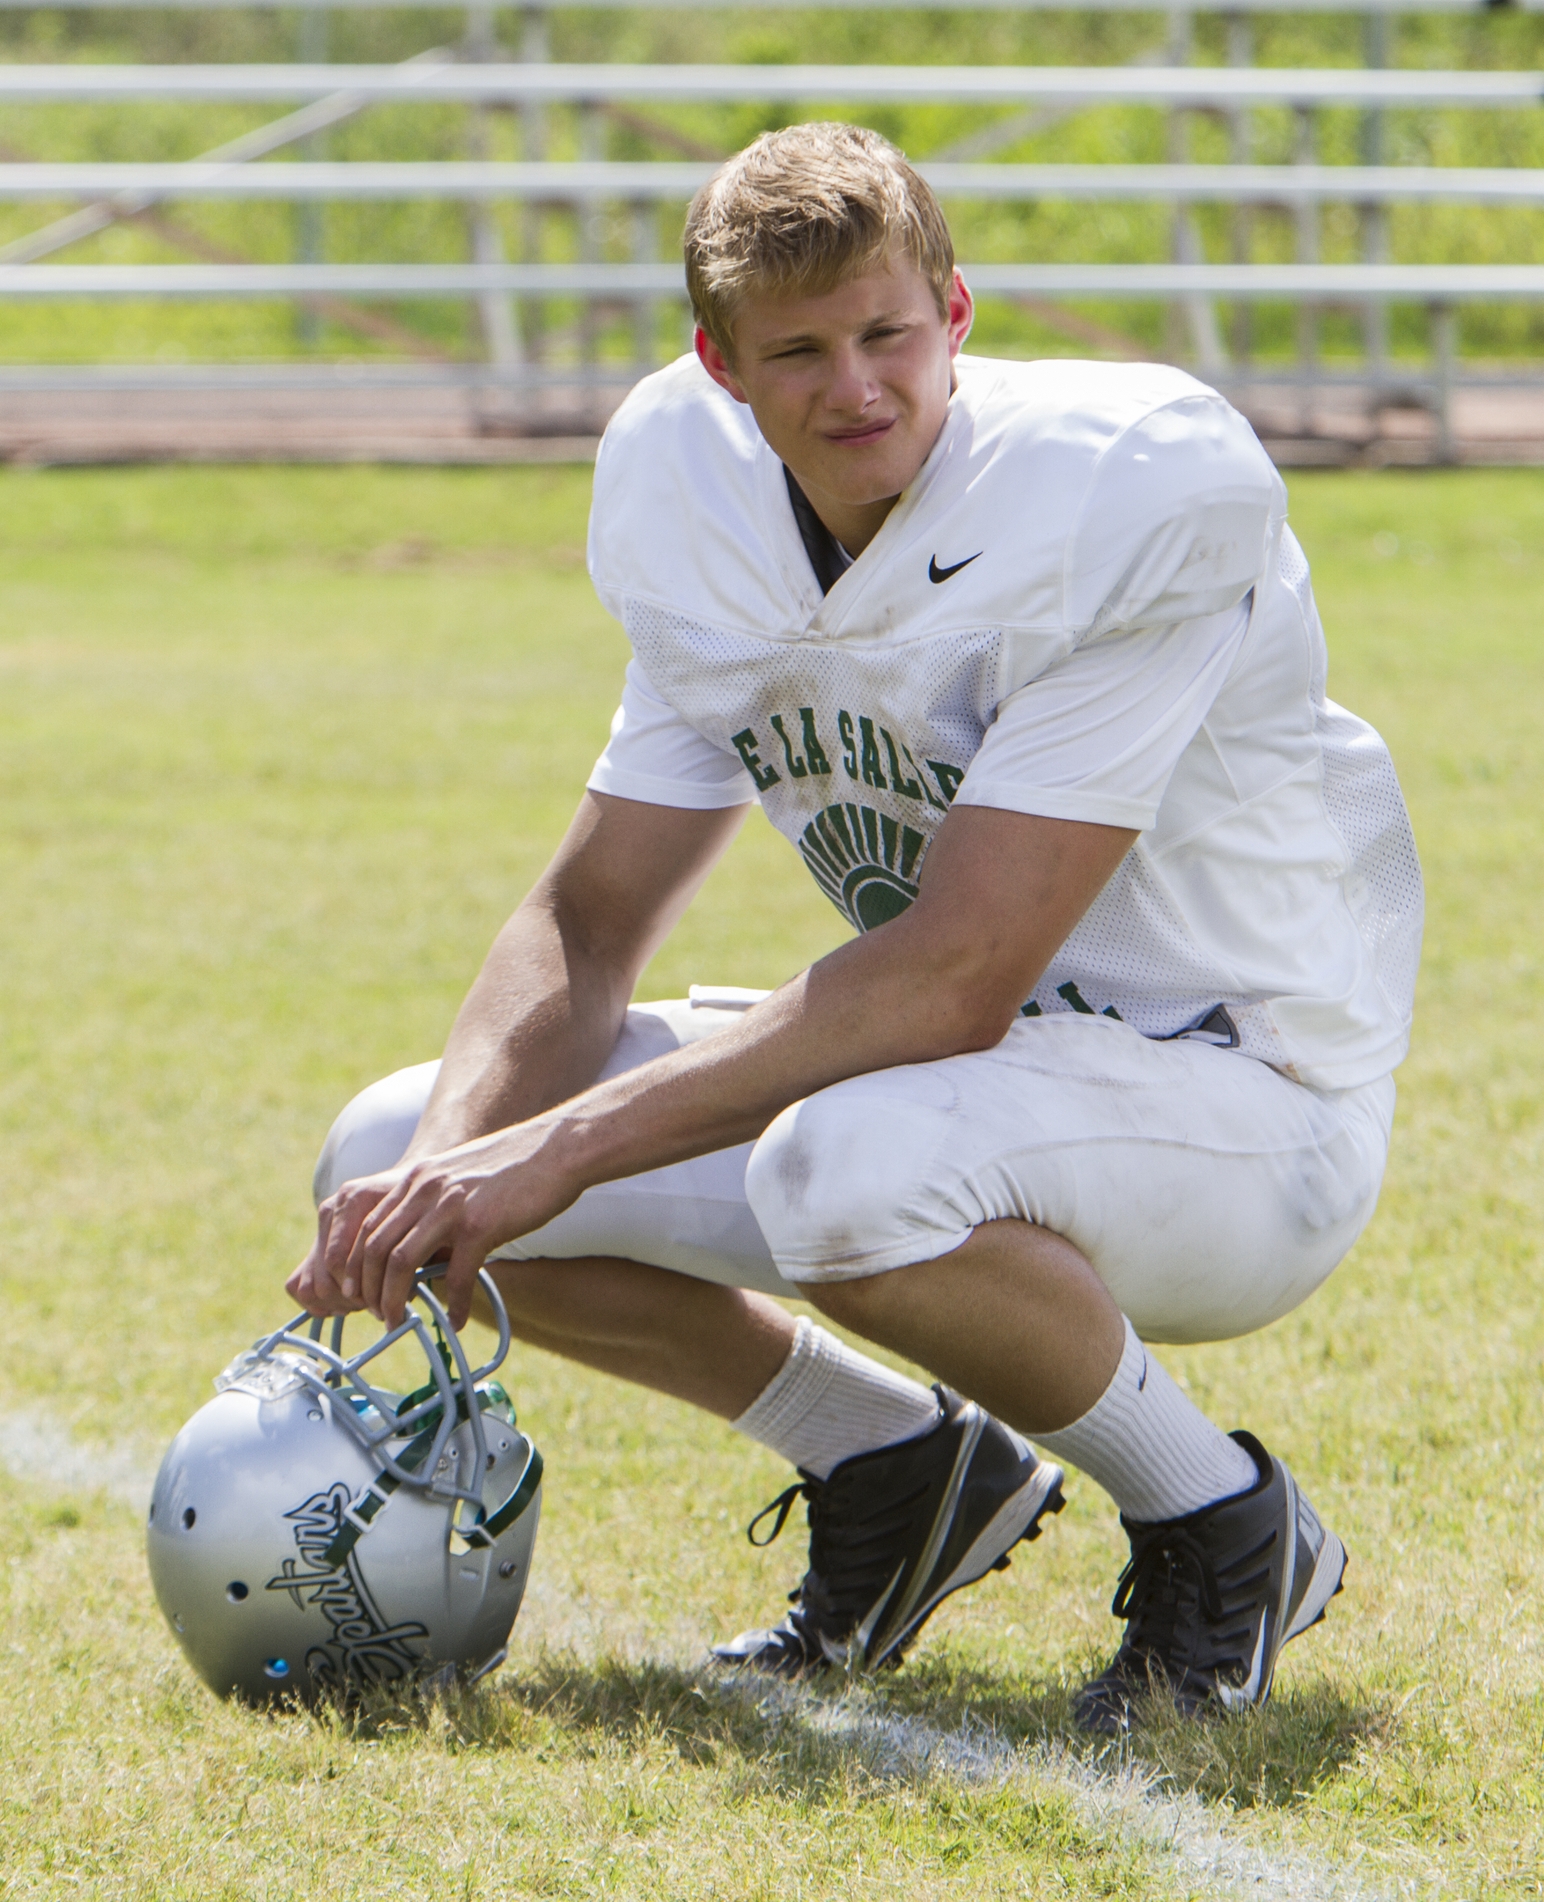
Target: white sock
1154 1453
826 1403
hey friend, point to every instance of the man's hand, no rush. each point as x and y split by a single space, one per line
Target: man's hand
374 1234
320 1284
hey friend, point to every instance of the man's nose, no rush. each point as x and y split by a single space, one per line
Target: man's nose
852 386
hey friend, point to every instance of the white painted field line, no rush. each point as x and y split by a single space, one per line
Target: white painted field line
37 1447
1121 1800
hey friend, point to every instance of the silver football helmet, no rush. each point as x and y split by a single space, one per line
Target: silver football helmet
313 1536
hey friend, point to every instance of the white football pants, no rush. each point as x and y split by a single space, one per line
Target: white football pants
1211 1194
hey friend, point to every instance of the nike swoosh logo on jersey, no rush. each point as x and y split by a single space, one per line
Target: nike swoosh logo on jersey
935 573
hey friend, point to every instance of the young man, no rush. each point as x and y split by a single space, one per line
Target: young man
1023 660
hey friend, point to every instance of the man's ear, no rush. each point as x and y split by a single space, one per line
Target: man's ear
716 364
962 314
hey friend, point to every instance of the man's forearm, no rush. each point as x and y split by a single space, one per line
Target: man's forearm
534 1030
544 1013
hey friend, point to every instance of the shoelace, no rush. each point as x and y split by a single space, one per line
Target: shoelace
810 1598
848 1563
1149 1591
782 1506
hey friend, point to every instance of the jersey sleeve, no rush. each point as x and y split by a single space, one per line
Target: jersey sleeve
655 756
1179 519
1097 736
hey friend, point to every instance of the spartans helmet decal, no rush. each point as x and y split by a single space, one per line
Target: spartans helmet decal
866 863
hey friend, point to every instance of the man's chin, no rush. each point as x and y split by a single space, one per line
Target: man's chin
858 484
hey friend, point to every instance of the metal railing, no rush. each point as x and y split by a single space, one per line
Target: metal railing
509 83
1349 283
667 181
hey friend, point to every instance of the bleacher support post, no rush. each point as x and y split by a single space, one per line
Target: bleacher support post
1307 253
1178 152
1241 53
315 22
591 216
1374 219
536 49
501 340
645 238
1193 321
1444 337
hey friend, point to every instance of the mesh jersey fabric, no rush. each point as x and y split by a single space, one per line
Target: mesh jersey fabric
1124 633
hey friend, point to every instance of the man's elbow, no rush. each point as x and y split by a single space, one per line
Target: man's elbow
973 1012
989 1027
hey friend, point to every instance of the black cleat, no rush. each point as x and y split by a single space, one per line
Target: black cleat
892 1533
1210 1599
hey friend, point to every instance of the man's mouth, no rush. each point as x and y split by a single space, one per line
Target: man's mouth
863 433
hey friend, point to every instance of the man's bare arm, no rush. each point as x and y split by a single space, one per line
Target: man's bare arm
545 1010
999 894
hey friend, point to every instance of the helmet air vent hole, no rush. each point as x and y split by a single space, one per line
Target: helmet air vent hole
492 1457
276 1668
188 1517
152 1512
507 1569
236 1591
314 1414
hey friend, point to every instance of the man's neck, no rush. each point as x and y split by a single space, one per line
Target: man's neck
853 524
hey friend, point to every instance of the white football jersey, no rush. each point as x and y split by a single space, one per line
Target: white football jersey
1087 606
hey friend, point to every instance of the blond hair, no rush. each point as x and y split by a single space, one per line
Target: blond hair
806 209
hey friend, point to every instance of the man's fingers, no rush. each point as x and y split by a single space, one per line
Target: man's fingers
341 1218
372 1237
376 1233
376 1228
312 1288
321 1284
301 1287
460 1282
399 1269
398 1242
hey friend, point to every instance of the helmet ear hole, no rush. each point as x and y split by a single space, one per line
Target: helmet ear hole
276 1668
236 1591
188 1518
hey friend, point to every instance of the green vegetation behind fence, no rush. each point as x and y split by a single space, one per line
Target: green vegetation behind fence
69 332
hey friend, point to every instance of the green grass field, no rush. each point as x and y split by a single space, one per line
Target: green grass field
280 751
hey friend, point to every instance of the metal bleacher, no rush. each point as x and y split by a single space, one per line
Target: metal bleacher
523 388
